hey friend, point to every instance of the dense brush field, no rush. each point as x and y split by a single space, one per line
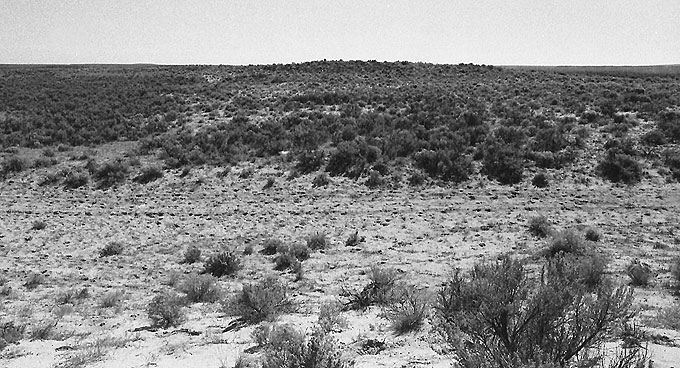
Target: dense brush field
334 214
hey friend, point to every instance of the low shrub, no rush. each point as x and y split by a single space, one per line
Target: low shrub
284 347
71 296
317 241
309 161
675 271
260 301
270 183
540 180
640 274
112 249
200 289
671 158
374 180
166 310
620 168
539 226
111 173
149 174
289 256
112 299
416 179
408 311
499 316
653 138
379 290
12 164
330 317
41 162
192 255
447 165
225 263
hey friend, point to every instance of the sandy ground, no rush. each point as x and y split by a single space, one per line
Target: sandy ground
424 233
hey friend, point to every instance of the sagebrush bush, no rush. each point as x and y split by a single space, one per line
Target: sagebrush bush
447 165
34 280
499 316
76 179
374 180
72 295
540 180
675 271
111 173
289 256
200 288
408 310
166 310
192 255
321 180
620 168
539 226
224 263
309 161
379 290
12 164
149 174
261 301
285 347
640 273
38 225
354 239
112 249
330 317
112 299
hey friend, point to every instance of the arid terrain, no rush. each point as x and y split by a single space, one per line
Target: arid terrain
66 303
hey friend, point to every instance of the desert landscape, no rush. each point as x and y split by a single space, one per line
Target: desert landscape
339 214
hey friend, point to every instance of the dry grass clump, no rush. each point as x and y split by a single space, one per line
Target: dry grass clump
112 249
34 280
289 256
330 317
379 290
112 299
354 239
284 347
200 289
408 310
166 310
592 234
261 301
73 295
149 174
225 263
566 242
271 246
502 316
10 333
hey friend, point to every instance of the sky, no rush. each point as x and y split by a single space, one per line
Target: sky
242 32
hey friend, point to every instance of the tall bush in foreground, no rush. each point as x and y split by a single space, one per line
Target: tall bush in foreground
499 316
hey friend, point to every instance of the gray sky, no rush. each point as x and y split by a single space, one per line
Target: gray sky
535 32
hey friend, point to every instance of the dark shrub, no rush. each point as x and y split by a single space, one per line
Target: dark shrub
284 347
288 256
352 158
44 162
166 310
620 167
416 179
447 165
38 225
111 173
354 239
500 317
408 311
112 249
540 180
379 290
539 226
149 174
309 161
671 159
669 124
200 289
221 264
260 301
270 183
503 163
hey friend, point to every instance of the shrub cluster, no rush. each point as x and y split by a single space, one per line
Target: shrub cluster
224 263
261 301
379 291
